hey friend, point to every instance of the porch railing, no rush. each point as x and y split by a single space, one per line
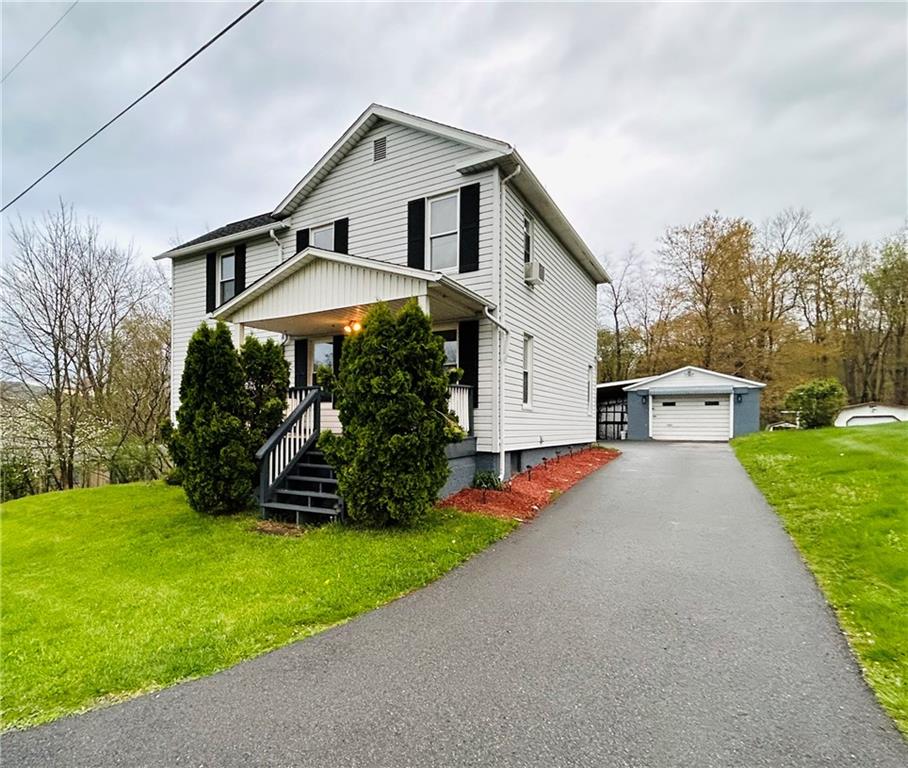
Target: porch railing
296 435
460 401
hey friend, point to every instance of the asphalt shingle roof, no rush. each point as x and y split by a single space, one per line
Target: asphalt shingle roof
232 228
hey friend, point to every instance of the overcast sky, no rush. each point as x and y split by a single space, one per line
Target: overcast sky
635 117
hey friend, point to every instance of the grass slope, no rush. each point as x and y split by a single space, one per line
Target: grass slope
112 591
843 496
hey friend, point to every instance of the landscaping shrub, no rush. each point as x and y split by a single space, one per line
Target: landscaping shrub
818 401
486 480
212 445
267 375
392 396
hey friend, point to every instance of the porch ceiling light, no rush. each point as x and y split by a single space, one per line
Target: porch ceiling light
354 326
357 327
348 330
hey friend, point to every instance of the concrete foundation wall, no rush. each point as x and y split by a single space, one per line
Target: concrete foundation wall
464 462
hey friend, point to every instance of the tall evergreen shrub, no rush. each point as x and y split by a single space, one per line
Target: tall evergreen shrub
212 445
267 375
392 395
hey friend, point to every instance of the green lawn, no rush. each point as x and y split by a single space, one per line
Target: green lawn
114 591
843 496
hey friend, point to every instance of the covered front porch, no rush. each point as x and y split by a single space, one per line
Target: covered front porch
316 298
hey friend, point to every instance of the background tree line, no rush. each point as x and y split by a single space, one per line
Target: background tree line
782 302
85 358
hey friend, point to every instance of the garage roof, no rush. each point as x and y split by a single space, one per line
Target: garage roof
693 379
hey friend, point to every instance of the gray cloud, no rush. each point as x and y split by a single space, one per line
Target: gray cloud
634 116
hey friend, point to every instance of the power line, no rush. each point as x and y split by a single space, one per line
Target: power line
120 114
40 40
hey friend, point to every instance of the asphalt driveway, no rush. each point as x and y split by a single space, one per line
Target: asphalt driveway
656 615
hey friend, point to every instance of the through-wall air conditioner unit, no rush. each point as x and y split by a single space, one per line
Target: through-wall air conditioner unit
533 273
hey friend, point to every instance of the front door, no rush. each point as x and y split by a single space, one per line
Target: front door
322 351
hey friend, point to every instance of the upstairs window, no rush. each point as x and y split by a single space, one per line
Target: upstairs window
323 237
228 277
442 228
527 371
527 239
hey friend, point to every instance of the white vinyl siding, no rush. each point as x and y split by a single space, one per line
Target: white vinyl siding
188 276
690 417
560 315
375 195
326 285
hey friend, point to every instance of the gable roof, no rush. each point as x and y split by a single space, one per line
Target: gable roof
489 152
311 254
652 380
361 126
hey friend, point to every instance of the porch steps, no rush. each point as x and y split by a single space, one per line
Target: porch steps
307 494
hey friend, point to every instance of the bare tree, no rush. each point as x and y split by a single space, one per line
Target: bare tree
616 298
65 297
772 282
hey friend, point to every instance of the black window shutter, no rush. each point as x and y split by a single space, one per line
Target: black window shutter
469 228
468 348
301 363
211 280
338 346
239 268
416 233
341 235
302 239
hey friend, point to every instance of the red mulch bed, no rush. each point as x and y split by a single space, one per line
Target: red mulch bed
525 494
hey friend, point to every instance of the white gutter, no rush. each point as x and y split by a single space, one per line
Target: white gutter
219 242
503 333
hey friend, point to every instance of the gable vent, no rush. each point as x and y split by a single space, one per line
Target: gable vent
379 148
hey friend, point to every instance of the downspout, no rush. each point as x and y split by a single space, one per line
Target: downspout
277 241
502 330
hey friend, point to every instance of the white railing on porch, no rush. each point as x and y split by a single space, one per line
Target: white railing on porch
460 398
460 401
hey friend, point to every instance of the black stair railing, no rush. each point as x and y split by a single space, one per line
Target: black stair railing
296 435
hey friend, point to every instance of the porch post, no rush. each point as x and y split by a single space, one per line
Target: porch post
423 300
241 334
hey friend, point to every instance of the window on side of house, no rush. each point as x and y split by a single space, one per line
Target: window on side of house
527 371
323 237
227 278
449 335
590 388
527 239
443 226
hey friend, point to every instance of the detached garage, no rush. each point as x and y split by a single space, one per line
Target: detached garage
692 404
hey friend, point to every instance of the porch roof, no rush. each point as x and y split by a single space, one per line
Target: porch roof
318 291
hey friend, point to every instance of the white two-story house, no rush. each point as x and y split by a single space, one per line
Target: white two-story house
404 207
